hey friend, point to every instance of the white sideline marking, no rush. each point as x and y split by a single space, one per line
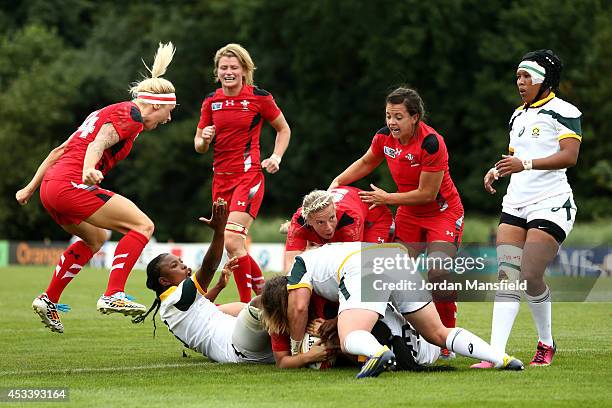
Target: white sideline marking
156 366
99 369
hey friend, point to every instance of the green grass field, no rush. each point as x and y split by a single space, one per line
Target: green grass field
108 361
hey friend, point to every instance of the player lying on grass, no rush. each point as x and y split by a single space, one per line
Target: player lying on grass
337 215
335 272
412 351
230 333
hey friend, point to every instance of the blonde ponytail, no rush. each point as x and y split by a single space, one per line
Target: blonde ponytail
156 84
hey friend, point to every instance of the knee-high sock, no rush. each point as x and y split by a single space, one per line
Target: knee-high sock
504 313
448 313
127 253
70 264
242 276
467 344
541 311
361 343
257 279
507 302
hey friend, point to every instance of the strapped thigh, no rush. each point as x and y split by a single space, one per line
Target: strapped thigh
237 229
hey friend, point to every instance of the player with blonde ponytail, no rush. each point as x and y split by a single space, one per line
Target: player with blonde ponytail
69 191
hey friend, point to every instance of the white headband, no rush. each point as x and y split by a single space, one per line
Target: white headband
536 71
158 99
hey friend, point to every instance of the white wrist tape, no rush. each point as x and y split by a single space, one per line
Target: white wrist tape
296 346
276 157
527 164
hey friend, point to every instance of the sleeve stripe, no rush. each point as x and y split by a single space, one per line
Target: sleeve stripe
299 285
167 293
572 135
197 284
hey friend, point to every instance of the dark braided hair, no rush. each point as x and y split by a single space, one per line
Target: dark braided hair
153 284
553 65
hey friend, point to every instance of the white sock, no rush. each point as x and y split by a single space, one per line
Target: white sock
507 303
361 343
505 310
467 344
542 315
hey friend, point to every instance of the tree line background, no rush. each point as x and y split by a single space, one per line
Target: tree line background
329 65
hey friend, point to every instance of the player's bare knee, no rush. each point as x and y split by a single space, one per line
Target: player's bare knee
531 277
234 243
437 336
145 227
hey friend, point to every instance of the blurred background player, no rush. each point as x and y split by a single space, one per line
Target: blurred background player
538 210
230 333
429 213
69 178
231 119
337 215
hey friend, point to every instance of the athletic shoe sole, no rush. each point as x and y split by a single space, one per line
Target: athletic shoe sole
385 362
44 320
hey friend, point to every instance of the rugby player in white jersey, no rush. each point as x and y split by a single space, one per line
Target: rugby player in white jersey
336 272
538 210
181 298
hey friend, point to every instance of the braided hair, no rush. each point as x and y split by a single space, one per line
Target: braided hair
553 65
153 284
315 201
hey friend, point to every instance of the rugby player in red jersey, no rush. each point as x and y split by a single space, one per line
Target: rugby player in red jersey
337 215
429 207
231 120
69 191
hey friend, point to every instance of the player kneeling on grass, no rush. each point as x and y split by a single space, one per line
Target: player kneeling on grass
412 352
230 333
334 271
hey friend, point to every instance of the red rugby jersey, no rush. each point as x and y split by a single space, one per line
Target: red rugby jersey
351 213
127 121
238 121
426 151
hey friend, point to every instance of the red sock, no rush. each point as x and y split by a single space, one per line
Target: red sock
257 278
448 313
242 276
70 264
127 252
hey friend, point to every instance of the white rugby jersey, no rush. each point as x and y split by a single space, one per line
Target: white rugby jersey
535 133
197 322
321 269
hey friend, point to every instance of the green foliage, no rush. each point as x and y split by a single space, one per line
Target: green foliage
329 65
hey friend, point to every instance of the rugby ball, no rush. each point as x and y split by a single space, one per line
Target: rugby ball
307 343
